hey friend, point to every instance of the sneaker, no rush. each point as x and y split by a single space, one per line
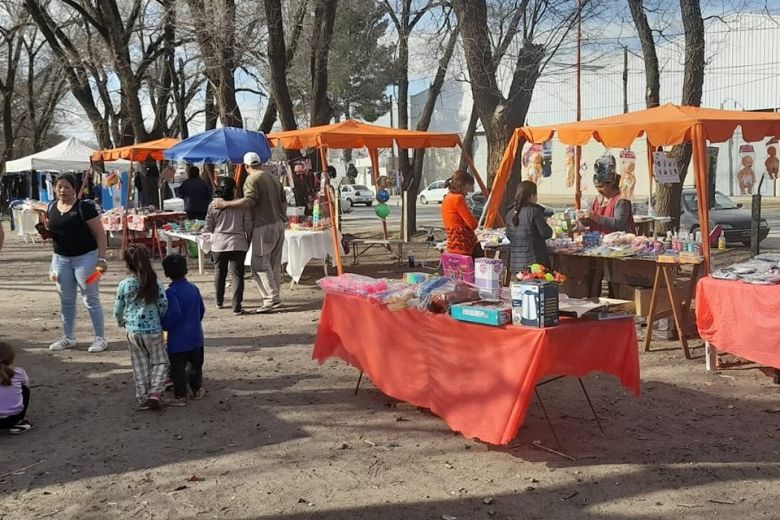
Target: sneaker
99 345
168 384
276 305
21 427
238 312
198 394
219 306
155 401
177 401
264 309
144 405
63 343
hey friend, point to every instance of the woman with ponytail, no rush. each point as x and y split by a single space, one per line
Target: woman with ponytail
140 307
527 230
14 393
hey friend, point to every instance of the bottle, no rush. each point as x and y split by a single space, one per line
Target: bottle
668 241
721 241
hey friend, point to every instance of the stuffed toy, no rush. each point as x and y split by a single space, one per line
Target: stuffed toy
772 162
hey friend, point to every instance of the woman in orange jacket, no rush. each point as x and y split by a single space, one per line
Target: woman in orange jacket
459 223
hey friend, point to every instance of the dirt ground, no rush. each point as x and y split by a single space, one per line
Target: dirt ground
280 437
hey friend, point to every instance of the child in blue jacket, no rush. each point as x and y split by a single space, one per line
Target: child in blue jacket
185 332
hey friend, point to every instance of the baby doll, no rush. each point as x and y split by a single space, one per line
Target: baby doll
746 177
570 180
628 180
772 162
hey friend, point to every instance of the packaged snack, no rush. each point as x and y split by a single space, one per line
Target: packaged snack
350 283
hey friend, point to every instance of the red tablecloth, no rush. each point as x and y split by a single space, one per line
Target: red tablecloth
479 379
741 319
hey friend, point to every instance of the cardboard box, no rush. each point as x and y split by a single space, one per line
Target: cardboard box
458 267
487 275
643 296
538 302
484 312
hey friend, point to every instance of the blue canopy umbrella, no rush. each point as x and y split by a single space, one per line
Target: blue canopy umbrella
219 146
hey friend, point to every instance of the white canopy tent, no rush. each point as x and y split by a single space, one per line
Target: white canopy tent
71 154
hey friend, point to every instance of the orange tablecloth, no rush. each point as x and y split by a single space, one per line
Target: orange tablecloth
479 379
741 319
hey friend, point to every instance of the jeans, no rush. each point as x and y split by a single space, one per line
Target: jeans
182 377
72 273
233 261
13 420
267 244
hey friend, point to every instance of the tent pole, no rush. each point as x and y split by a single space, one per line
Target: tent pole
334 231
578 149
698 140
125 229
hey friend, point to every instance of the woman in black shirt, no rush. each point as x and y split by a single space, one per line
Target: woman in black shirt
79 250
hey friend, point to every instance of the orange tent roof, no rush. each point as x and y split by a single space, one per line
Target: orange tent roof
663 126
355 134
137 152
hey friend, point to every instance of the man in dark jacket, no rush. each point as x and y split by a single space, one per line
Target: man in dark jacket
196 194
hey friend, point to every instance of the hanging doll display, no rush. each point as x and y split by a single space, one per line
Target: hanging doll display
533 161
627 175
547 159
570 168
772 162
746 177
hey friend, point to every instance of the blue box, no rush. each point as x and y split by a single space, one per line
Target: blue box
494 313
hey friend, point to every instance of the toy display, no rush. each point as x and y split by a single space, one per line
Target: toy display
569 163
746 177
488 273
540 272
486 312
772 162
627 175
458 267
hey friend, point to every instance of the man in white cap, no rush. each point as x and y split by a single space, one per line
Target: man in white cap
264 194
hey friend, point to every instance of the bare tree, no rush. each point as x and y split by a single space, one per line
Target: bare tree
322 34
652 73
278 61
11 38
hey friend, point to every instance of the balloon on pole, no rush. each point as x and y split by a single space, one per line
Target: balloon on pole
382 210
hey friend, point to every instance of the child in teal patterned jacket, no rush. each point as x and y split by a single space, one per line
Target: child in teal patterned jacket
140 306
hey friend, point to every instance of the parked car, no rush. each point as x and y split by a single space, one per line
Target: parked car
345 206
357 194
476 202
726 213
435 192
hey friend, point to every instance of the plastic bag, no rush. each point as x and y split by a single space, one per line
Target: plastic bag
438 297
350 283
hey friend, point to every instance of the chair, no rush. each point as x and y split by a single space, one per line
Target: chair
432 243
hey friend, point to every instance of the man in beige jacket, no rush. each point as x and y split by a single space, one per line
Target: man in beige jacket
264 195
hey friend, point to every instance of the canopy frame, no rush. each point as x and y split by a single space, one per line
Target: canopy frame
666 125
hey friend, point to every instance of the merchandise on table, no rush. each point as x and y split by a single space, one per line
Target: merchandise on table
492 237
761 270
438 293
486 312
539 302
458 267
488 273
350 283
540 272
415 278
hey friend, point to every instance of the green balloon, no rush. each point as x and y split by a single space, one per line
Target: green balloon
382 211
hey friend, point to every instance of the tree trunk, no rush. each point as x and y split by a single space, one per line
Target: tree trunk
468 138
209 108
413 184
404 165
324 19
652 74
669 196
277 62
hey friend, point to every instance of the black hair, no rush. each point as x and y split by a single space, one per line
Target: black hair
193 172
175 266
226 189
69 178
137 261
525 190
7 356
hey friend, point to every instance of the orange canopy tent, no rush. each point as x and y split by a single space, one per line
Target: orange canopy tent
137 152
666 125
356 134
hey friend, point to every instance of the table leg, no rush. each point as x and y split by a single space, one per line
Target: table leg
357 386
710 356
651 314
593 410
677 311
598 273
168 245
200 258
400 253
547 418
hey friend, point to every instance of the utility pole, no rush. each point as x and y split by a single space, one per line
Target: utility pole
578 150
625 80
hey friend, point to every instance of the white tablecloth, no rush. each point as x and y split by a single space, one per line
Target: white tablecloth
300 247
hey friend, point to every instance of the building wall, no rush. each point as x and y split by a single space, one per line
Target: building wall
743 64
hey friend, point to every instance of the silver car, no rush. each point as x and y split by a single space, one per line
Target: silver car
357 194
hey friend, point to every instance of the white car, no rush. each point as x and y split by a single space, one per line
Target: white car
345 206
357 194
435 192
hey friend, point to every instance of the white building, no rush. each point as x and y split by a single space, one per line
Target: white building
742 71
